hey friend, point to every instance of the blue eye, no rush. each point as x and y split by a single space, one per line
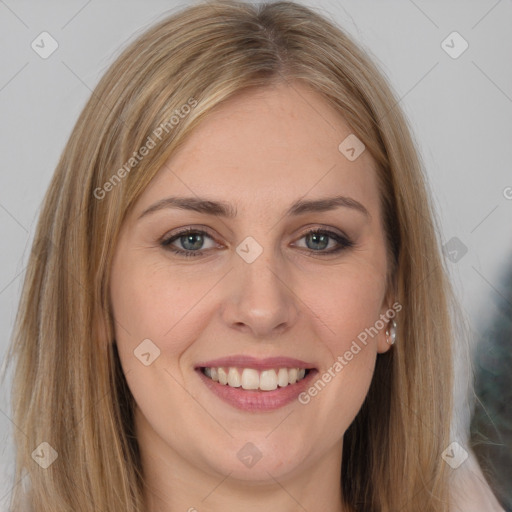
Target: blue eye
192 241
193 238
320 239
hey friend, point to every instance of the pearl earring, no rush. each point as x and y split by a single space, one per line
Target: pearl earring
391 333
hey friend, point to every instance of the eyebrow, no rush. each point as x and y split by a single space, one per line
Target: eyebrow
226 210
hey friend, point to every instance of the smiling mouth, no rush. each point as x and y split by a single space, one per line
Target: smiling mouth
255 380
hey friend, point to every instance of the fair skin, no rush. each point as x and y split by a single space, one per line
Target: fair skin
260 152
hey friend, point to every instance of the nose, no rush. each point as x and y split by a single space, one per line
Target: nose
260 301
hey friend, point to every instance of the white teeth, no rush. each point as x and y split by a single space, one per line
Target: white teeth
268 380
223 377
249 378
282 377
233 378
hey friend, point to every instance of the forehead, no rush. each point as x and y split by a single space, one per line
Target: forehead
266 147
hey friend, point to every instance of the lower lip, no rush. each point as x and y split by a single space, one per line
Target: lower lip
257 401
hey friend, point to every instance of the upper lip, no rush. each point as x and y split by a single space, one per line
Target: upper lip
244 361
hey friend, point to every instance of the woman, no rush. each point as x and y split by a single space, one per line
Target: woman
183 343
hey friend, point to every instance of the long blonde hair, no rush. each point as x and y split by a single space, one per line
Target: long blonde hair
69 389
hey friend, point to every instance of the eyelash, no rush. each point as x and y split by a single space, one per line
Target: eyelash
344 242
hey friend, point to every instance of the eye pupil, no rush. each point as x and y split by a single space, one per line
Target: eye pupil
189 238
319 237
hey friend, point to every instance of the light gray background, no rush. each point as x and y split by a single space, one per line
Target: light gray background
460 111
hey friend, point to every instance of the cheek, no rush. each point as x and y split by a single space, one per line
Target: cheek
153 328
149 303
348 320
348 304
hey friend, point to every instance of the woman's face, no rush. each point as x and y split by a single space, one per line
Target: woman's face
256 286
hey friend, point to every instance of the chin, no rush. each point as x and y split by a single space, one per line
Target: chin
260 460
